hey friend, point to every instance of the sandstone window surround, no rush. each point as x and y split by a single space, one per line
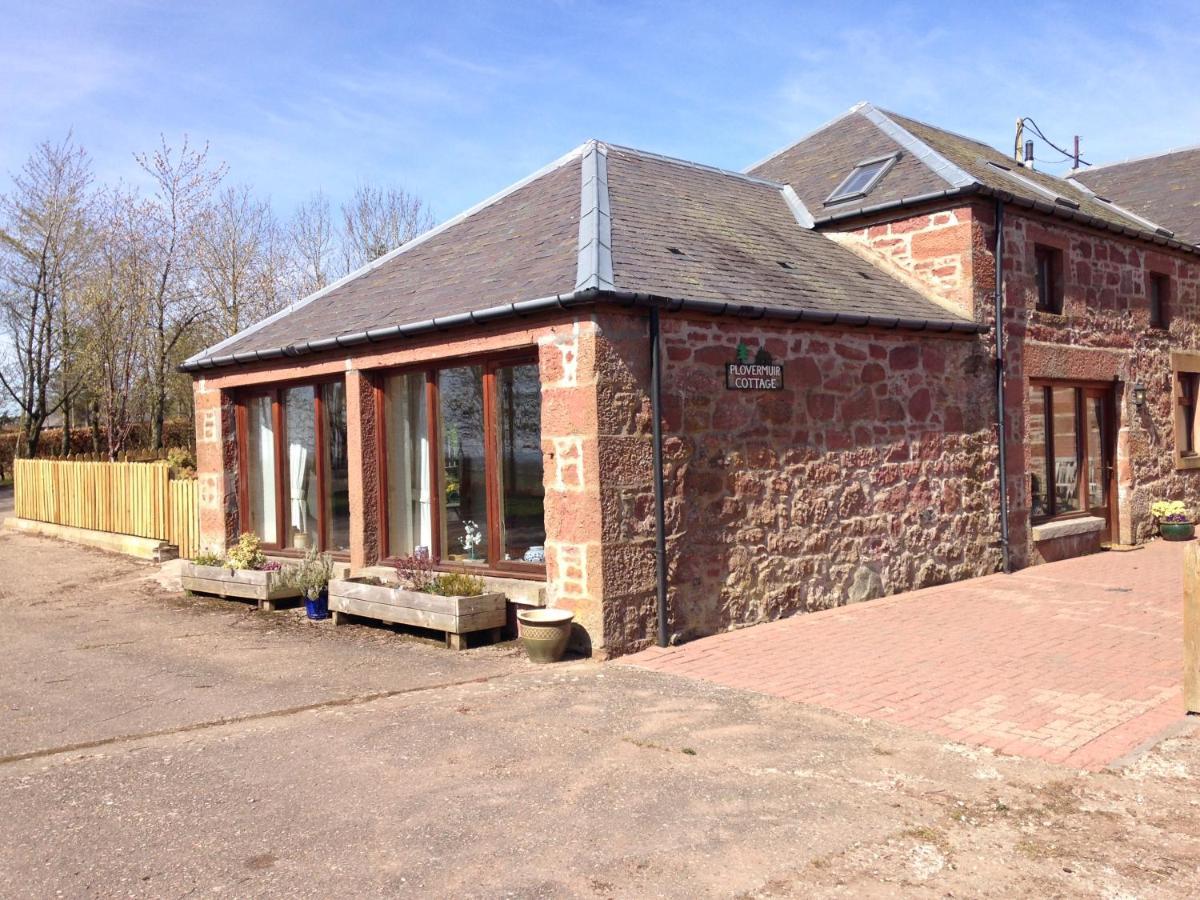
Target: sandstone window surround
461 465
1158 289
293 466
1185 390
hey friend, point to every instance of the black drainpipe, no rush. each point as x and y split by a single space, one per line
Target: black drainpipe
660 527
1001 430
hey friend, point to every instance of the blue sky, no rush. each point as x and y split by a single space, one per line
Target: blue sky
456 100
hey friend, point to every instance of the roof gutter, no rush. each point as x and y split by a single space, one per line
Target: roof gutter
573 299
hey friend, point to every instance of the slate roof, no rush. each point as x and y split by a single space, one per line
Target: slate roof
739 243
934 163
1165 188
604 223
818 163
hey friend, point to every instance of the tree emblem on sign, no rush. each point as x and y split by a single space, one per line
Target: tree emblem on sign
743 352
762 357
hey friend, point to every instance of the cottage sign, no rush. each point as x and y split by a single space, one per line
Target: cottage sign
761 374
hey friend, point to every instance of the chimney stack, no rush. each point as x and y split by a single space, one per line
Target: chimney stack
1027 162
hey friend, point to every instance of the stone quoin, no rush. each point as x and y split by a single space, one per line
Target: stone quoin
828 383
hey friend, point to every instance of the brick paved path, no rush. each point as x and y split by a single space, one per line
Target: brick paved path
1076 662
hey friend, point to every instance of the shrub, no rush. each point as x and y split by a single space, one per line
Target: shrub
247 553
208 558
455 584
312 575
416 571
182 463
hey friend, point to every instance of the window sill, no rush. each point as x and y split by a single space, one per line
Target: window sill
518 571
1061 528
1183 463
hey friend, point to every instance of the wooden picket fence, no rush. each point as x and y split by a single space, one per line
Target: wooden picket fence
134 498
184 526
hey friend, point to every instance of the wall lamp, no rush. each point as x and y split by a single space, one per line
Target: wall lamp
1139 395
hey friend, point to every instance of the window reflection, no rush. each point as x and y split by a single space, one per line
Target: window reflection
1039 483
462 471
1066 449
260 446
301 461
337 466
520 464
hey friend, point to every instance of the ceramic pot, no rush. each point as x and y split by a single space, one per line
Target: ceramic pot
545 633
318 608
1177 531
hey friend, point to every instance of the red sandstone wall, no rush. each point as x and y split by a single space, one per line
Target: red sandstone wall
873 472
945 254
1104 335
566 348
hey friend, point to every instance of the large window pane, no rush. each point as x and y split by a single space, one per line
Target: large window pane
1066 449
522 521
301 460
260 468
337 466
462 468
409 496
1039 482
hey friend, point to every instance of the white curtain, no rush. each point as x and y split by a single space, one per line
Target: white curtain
410 500
264 475
425 505
297 463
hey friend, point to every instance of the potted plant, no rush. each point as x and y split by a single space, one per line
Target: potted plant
1174 524
312 577
455 603
244 572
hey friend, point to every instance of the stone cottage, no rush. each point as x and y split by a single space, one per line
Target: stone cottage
677 399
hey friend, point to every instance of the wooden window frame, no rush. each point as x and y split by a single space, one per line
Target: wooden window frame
1158 296
1083 390
1185 367
279 425
495 565
1050 286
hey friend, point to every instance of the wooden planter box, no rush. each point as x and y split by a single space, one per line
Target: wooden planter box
456 616
248 583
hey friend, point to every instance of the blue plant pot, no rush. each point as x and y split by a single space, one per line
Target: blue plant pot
319 608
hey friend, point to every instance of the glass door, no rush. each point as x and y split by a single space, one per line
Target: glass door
1072 446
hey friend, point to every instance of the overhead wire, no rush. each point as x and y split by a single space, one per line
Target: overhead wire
1065 154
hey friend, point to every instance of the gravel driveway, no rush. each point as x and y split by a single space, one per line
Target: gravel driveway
152 745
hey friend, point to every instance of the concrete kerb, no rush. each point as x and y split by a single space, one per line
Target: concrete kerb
150 549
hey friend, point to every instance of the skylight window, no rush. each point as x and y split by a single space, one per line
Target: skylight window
863 177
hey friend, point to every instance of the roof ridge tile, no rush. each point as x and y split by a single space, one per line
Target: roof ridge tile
594 267
934 161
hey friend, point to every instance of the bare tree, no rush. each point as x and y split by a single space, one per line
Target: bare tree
116 301
183 183
314 244
43 250
378 220
241 261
